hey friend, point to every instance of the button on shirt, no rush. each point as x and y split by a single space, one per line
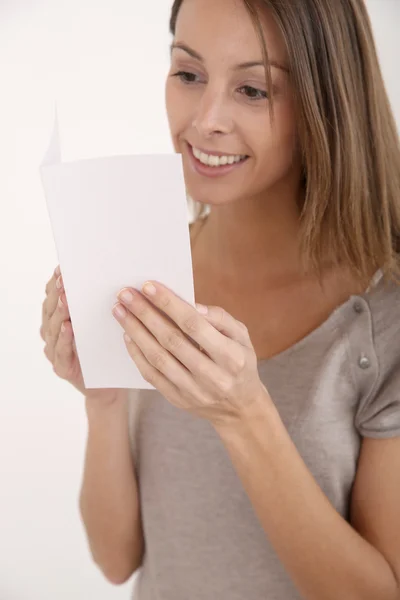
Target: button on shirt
338 384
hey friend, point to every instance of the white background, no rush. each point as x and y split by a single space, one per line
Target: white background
105 62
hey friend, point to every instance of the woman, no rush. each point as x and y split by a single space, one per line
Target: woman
267 459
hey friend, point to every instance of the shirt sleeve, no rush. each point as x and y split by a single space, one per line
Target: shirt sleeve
378 415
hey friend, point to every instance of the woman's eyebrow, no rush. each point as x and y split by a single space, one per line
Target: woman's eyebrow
245 65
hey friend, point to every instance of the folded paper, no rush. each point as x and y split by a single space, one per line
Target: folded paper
116 222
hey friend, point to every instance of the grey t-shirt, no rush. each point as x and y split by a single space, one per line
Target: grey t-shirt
203 539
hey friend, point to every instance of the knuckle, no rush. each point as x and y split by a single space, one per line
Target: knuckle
174 340
202 370
149 375
51 330
238 363
59 370
56 369
48 353
157 360
59 360
58 357
141 310
191 324
43 333
52 334
241 362
244 328
220 314
224 386
65 303
60 366
164 301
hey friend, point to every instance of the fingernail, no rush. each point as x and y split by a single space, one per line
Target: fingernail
149 289
119 311
126 296
60 302
203 310
58 270
58 283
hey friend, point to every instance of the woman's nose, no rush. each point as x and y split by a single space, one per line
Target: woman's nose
212 116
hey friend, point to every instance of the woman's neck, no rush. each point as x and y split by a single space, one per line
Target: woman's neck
250 244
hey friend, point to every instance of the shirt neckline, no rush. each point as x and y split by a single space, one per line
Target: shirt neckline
331 321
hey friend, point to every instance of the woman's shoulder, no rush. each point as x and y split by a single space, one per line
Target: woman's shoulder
378 413
383 320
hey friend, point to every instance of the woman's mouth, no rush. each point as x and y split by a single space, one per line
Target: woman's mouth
214 164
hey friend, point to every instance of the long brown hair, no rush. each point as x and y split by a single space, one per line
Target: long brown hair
350 212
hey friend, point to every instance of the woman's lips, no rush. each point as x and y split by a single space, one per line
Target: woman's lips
208 171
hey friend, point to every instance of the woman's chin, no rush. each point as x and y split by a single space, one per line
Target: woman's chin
206 200
210 194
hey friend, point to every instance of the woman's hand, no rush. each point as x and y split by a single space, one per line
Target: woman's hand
217 380
60 348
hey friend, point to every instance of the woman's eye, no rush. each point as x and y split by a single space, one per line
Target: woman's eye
253 93
186 77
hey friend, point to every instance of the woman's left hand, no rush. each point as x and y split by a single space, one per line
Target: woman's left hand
220 382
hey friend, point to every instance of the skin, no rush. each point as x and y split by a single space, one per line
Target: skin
60 348
254 215
246 253
248 247
245 258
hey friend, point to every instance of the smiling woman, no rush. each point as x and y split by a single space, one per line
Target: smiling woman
331 104
268 455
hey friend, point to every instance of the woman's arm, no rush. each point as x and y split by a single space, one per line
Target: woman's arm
324 555
109 500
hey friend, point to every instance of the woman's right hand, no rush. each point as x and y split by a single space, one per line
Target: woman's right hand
60 349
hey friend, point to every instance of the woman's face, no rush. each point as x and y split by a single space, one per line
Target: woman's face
218 106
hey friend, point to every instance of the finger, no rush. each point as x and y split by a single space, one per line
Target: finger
188 319
64 352
53 290
160 339
226 324
51 282
160 360
61 314
152 375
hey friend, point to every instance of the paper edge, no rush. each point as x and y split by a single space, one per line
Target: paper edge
53 153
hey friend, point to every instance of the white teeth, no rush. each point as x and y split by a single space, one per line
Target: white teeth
217 161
